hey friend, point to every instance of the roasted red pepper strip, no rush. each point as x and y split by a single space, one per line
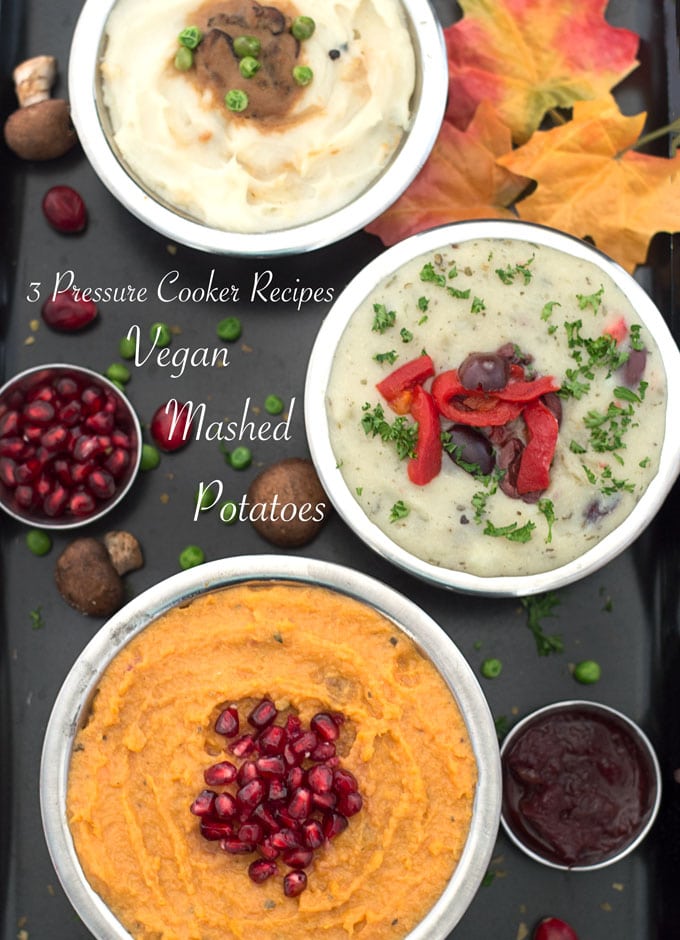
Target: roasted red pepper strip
406 377
527 391
537 456
428 459
487 410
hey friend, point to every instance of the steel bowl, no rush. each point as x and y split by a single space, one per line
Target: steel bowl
318 431
24 381
92 123
72 706
648 761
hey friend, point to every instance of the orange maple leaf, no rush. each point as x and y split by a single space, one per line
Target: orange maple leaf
528 56
460 180
591 184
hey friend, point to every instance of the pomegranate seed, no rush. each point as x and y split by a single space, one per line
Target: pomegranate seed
250 795
38 412
55 502
320 778
323 751
70 414
65 210
267 850
277 789
287 821
324 727
263 714
204 803
552 928
25 496
300 803
55 437
81 471
350 803
121 439
243 745
324 801
42 486
344 782
333 824
226 806
272 740
269 767
251 832
246 772
41 393
66 387
8 471
220 774
298 858
261 869
228 723
68 313
237 847
62 471
312 834
93 399
87 446
101 483
263 814
285 839
170 426
100 423
294 883
304 745
117 462
10 424
13 447
28 471
293 727
215 829
81 504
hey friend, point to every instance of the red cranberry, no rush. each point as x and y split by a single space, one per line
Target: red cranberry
170 426
68 313
294 883
64 209
552 928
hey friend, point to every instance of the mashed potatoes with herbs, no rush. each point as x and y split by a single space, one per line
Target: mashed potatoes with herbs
242 171
549 315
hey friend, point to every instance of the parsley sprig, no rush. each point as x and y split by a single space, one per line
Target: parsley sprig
538 607
400 432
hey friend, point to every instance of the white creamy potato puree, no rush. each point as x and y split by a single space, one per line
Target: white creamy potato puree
591 492
241 174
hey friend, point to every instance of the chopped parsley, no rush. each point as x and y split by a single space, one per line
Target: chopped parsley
37 622
429 276
459 293
538 607
389 357
512 532
502 726
546 508
635 340
423 304
510 272
547 310
399 511
588 354
400 432
590 300
453 270
406 335
478 305
383 318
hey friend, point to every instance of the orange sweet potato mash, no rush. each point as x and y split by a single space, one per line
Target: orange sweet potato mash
138 763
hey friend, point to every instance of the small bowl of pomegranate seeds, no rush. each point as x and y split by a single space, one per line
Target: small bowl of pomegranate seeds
277 743
581 785
69 446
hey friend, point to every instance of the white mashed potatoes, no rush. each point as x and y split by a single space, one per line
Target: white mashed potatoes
558 312
239 174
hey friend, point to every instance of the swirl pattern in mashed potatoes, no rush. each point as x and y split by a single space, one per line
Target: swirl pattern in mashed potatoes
238 173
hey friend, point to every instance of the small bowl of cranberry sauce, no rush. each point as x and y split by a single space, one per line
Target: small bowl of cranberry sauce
581 785
70 446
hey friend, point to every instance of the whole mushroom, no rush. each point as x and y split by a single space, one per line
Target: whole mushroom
294 503
40 129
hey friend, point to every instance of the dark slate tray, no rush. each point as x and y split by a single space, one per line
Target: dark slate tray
625 616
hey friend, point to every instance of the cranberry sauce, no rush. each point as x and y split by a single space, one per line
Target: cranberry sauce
577 785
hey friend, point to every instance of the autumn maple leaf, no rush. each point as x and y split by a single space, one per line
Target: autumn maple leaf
591 184
460 180
528 56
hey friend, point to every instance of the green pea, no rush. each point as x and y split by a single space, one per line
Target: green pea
205 498
273 405
236 100
229 329
38 541
160 334
247 45
151 457
191 556
249 66
229 513
127 348
302 27
491 668
190 37
302 75
587 672
118 373
240 458
184 59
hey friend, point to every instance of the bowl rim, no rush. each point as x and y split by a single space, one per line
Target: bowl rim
417 142
317 426
64 526
636 732
74 697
